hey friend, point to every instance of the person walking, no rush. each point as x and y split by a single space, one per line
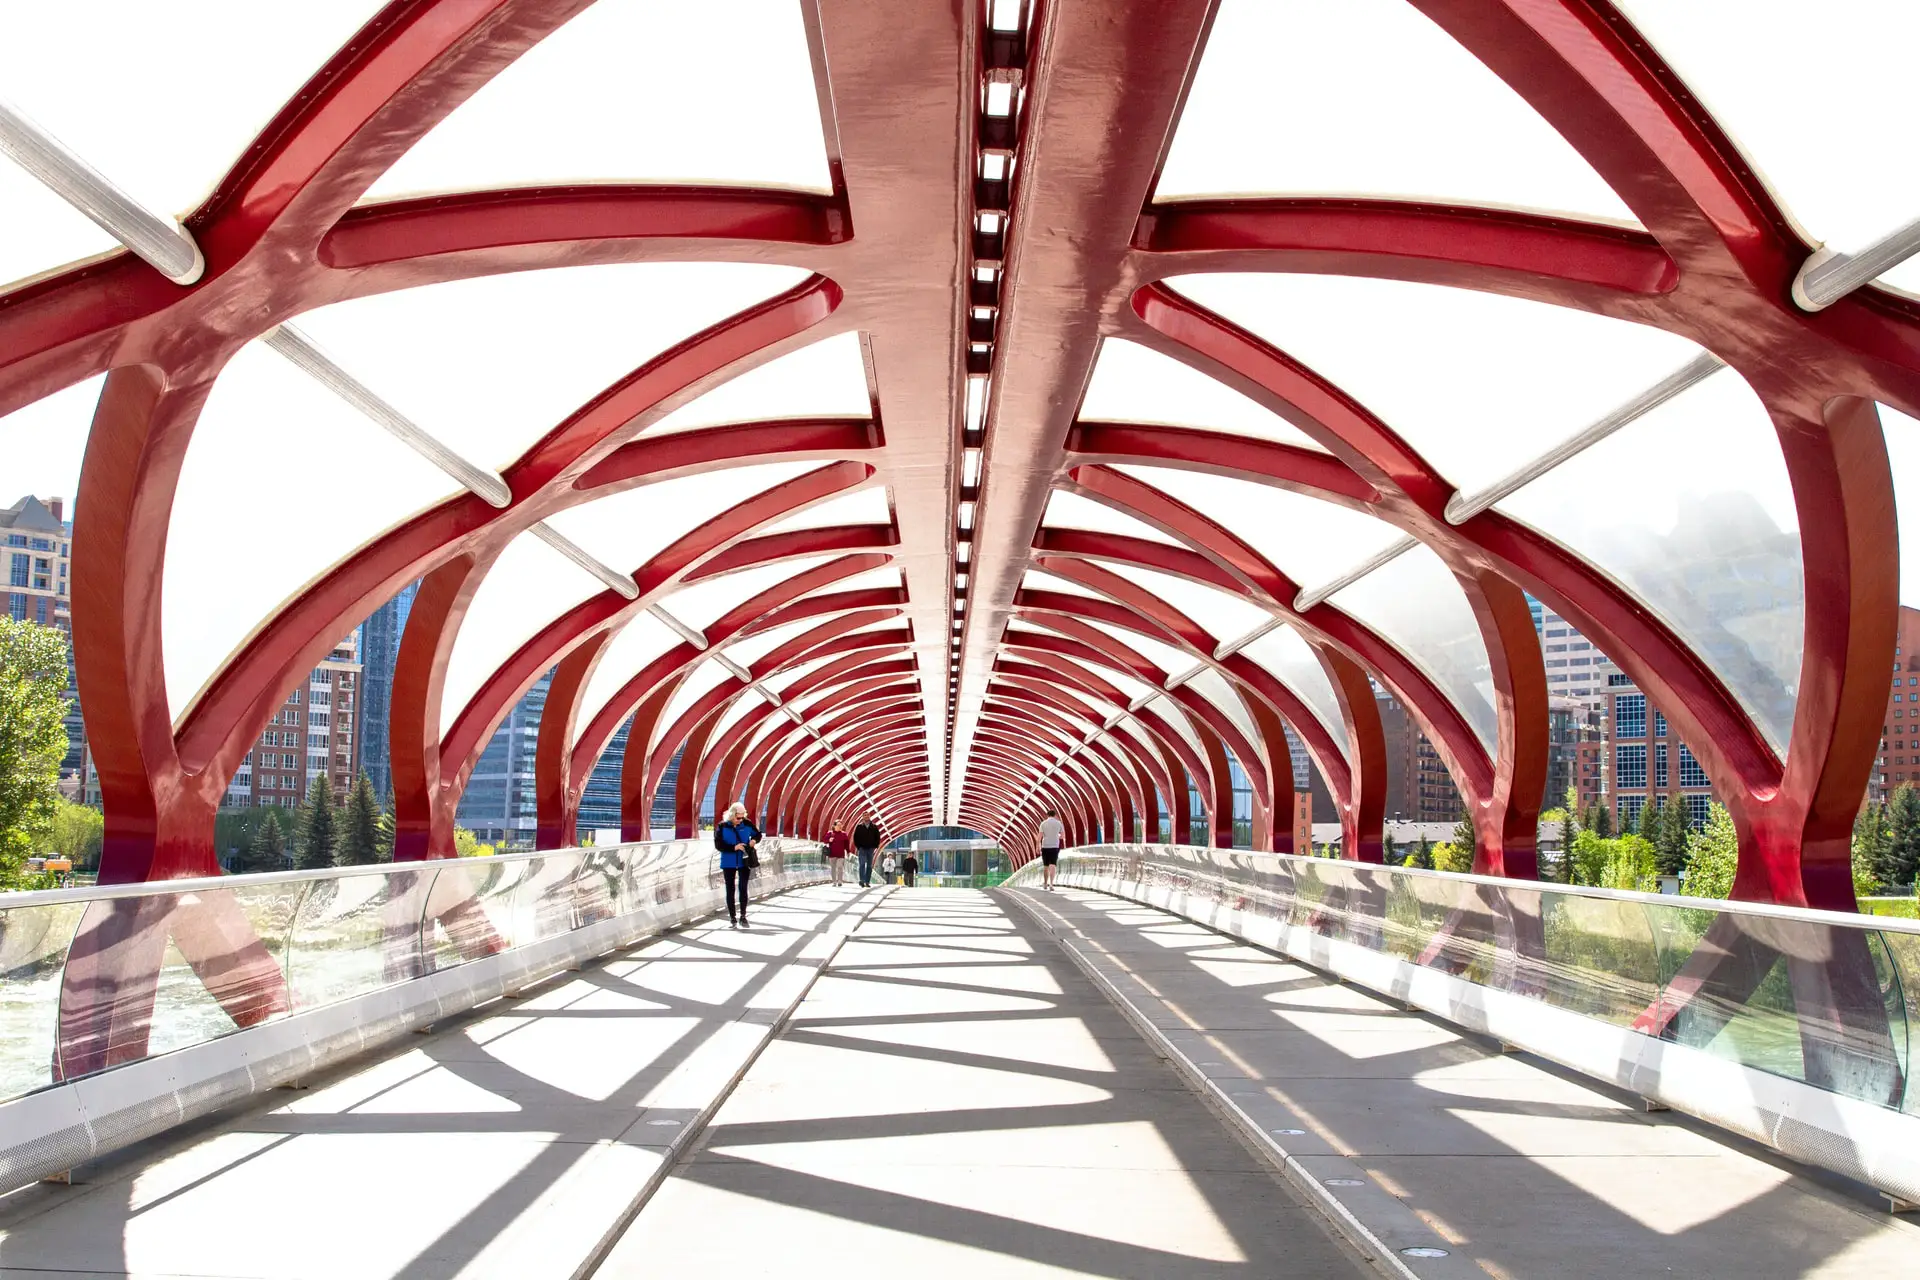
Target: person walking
1052 835
909 867
888 866
866 842
837 843
738 840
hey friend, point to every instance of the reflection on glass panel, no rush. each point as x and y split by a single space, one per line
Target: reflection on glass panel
827 379
1308 540
1214 687
1817 98
44 232
549 341
1225 616
643 639
164 98
707 601
1132 383
1709 537
1416 603
637 91
1903 455
355 934
628 529
1071 511
527 588
1479 384
1291 661
33 946
862 506
1398 109
241 480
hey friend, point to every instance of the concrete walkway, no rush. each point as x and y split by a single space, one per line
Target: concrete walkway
1515 1167
513 1143
954 1099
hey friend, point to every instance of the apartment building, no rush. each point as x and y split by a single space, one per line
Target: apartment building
313 734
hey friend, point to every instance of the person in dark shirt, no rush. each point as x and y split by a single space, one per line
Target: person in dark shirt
866 842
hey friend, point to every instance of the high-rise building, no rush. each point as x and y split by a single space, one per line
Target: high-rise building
1575 668
499 805
1574 735
1419 788
38 560
600 798
379 651
313 734
1648 759
1899 757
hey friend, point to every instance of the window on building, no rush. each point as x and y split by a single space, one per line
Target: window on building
40 610
1629 810
1659 724
1630 766
17 606
41 544
320 697
1617 678
1692 774
1698 808
19 578
1630 718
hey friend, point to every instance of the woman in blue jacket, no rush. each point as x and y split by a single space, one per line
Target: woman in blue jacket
736 840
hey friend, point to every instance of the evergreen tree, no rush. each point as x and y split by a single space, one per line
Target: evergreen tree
383 839
267 851
1869 848
358 841
1602 824
1903 837
1648 828
1389 850
1568 834
316 826
1670 841
1464 840
1423 854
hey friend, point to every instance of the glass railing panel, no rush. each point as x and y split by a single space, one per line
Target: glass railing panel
1600 957
33 948
357 933
471 910
546 897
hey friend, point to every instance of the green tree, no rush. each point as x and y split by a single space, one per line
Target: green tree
1551 863
268 849
1670 840
1464 839
1903 837
357 843
317 826
1602 824
1631 864
1713 852
78 831
33 740
1648 825
1448 856
1389 850
1869 848
383 829
467 845
1423 854
1591 853
1569 830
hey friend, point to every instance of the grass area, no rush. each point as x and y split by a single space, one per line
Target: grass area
1904 908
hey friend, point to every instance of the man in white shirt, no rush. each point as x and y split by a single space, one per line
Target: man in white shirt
1052 835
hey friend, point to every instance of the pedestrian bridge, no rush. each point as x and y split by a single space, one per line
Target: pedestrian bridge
1180 1062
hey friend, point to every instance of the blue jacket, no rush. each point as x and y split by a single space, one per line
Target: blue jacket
733 833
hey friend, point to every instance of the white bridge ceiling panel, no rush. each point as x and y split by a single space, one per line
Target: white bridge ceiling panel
489 365
825 379
1213 686
1817 96
862 506
1071 511
710 599
1416 603
706 676
530 586
1709 537
1478 383
632 648
1134 383
628 529
638 91
282 481
1225 615
1309 540
1286 656
1398 110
